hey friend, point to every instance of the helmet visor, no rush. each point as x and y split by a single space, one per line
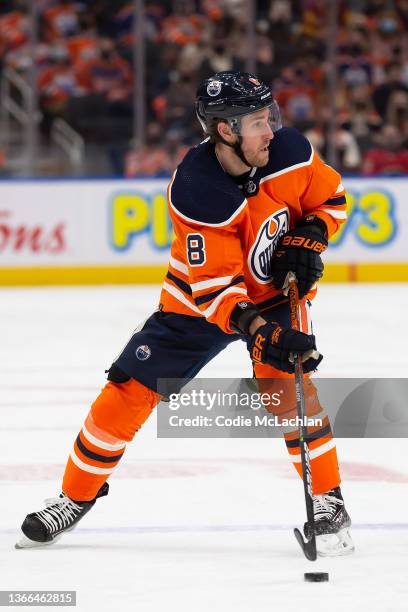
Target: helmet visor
259 123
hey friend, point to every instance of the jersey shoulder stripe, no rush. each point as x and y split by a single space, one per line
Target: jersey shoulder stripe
201 192
288 151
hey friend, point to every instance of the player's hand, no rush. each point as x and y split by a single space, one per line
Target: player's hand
275 345
299 251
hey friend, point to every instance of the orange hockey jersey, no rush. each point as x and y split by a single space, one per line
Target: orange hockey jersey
226 232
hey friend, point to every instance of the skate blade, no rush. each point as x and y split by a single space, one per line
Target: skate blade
25 542
335 544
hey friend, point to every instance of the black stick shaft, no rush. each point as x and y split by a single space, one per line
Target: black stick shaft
301 412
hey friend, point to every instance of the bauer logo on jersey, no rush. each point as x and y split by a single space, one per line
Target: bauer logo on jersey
214 88
260 255
143 352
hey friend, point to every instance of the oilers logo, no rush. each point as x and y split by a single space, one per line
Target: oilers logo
260 255
214 87
143 352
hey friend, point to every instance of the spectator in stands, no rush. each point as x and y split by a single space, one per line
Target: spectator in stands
397 110
383 93
282 22
14 27
160 78
187 40
360 117
348 156
266 68
389 157
57 83
402 10
158 157
179 113
354 63
218 58
151 159
182 29
296 95
103 110
62 20
84 45
108 75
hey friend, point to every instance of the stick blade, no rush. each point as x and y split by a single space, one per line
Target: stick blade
308 546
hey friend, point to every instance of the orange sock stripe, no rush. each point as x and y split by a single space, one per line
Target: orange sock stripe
99 433
325 471
319 442
80 485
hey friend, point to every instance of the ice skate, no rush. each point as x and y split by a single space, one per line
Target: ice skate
61 514
332 525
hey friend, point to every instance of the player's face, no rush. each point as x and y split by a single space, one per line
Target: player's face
256 135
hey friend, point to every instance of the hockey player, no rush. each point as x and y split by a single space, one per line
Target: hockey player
250 204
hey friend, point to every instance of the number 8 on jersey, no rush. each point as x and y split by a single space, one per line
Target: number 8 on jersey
196 249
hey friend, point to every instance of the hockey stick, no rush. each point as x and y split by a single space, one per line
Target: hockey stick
309 545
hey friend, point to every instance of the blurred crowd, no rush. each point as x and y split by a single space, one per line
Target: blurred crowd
85 72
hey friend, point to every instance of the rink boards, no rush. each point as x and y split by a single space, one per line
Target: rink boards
119 232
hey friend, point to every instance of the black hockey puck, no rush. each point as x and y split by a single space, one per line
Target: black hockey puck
316 577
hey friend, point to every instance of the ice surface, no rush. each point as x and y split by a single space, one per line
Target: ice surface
192 525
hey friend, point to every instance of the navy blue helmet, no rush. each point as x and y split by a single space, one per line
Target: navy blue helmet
231 94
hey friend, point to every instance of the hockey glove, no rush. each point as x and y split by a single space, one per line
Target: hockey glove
274 345
299 251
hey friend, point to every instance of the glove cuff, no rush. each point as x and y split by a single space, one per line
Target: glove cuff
242 316
315 222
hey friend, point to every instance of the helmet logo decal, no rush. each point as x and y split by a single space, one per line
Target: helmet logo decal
254 81
214 88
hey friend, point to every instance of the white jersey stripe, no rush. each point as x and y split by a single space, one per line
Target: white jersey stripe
289 169
178 265
180 297
212 282
337 214
211 309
